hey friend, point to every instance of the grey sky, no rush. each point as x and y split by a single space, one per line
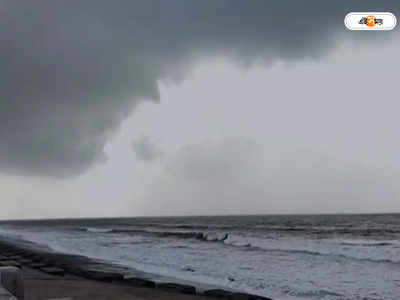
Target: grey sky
145 149
270 99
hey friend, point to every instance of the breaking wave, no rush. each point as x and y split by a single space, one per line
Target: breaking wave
205 236
98 230
257 244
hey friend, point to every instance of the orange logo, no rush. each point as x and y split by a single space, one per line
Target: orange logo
371 21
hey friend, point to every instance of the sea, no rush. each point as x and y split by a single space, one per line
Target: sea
287 257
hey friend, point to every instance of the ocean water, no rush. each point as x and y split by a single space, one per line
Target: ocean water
328 257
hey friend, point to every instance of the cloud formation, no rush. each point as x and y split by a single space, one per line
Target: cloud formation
145 149
71 72
236 175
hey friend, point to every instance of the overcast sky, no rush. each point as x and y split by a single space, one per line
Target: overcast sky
125 108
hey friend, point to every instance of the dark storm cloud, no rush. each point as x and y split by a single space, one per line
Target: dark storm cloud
145 149
71 71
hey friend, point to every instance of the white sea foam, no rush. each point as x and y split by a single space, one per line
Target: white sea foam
98 230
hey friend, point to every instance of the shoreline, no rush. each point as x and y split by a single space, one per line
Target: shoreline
49 274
